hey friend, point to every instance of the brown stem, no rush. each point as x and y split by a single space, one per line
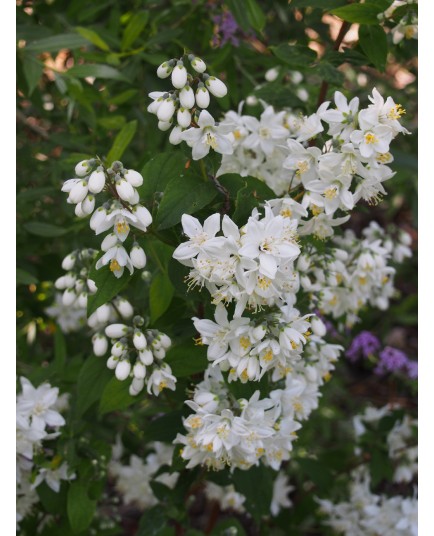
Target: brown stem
227 204
325 85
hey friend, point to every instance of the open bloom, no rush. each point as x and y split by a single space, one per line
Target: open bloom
207 136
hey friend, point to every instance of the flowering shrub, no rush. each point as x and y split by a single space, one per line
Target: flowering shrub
217 275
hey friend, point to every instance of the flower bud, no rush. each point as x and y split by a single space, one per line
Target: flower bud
136 386
164 70
159 353
82 168
82 300
179 76
318 326
112 362
146 357
68 262
143 215
109 241
164 125
96 181
123 370
202 97
139 370
272 74
60 283
97 218
115 331
119 349
69 297
303 263
78 192
100 344
124 190
166 110
183 117
139 340
79 211
138 257
216 87
166 343
186 97
259 332
88 205
103 313
91 286
175 137
198 65
133 177
124 307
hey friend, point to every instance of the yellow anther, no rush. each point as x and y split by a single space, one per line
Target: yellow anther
371 138
211 141
245 342
195 422
315 210
264 282
327 376
162 385
302 167
268 356
114 265
244 375
198 341
363 280
286 213
122 227
396 112
330 193
237 134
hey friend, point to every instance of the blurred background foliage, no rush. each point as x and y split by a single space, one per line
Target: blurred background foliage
84 71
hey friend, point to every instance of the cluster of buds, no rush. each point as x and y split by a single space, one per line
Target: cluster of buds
133 350
75 283
190 96
120 212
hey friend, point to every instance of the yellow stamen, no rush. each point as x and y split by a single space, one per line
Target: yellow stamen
268 356
330 193
396 112
211 141
302 167
114 265
264 282
286 213
198 341
370 138
237 134
245 342
122 227
315 210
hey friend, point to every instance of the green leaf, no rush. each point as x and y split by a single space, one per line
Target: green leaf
93 37
44 229
164 428
80 508
294 55
239 12
96 70
108 287
122 140
116 396
183 196
256 485
227 526
91 382
25 278
187 359
153 522
159 171
59 349
329 73
123 97
32 71
325 5
253 192
255 15
57 42
160 295
134 29
373 42
380 466
362 13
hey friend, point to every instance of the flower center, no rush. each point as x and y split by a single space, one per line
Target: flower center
244 342
330 193
114 265
370 138
396 112
211 141
122 227
264 132
302 167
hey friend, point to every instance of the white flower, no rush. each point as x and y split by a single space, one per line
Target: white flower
200 237
37 403
118 259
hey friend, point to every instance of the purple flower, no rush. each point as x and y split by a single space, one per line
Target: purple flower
391 360
412 369
364 344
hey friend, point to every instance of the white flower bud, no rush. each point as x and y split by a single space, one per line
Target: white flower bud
112 362
69 297
164 70
109 241
118 349
198 65
88 205
125 308
136 386
136 198
259 332
202 97
139 340
115 331
318 326
216 87
103 313
164 125
303 263
186 97
79 286
133 177
91 286
340 254
165 341
60 283
79 211
272 74
252 100
68 262
96 182
183 117
139 370
97 218
70 280
78 192
124 190
69 185
179 76
138 257
143 215
100 344
166 110
146 357
175 137
82 300
405 238
311 374
159 353
123 370
82 168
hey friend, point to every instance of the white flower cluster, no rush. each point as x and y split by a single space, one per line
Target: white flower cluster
351 165
122 211
253 265
224 431
37 420
132 481
401 441
249 348
188 102
353 272
407 27
368 514
133 350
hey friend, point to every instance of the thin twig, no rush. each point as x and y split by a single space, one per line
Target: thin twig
227 204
